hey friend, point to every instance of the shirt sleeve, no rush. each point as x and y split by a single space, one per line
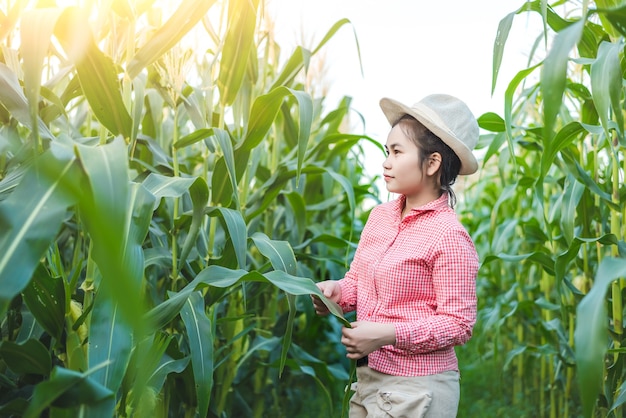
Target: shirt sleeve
455 266
349 286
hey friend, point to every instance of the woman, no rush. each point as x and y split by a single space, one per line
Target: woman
413 278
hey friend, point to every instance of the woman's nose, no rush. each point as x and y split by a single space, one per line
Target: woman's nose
386 163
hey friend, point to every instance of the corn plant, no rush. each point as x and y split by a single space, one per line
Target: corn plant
553 236
171 187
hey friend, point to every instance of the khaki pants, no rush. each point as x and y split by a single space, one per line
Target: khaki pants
379 395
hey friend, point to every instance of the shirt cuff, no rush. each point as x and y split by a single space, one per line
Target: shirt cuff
345 303
403 336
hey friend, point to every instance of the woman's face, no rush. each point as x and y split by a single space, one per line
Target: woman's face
401 169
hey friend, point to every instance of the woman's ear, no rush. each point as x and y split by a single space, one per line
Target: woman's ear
434 163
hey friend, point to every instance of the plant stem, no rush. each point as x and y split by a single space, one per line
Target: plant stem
175 208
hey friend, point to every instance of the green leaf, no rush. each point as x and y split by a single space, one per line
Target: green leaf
296 62
508 106
239 42
615 15
226 145
31 217
161 186
301 57
222 277
298 209
606 84
331 32
268 192
194 137
35 32
200 339
583 177
188 14
554 74
591 333
137 107
504 27
564 259
96 72
264 111
305 110
542 258
45 298
199 193
291 300
110 343
13 99
562 139
70 389
492 122
237 231
110 209
29 357
279 253
572 193
167 366
159 316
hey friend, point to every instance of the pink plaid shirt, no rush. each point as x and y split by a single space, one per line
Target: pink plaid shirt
419 274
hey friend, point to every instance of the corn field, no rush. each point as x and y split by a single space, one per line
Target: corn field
173 184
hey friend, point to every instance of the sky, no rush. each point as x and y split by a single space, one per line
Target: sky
409 49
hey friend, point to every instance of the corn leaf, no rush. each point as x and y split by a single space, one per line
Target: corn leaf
237 231
13 99
573 192
237 46
110 343
279 253
161 186
554 74
591 333
108 211
96 72
508 107
188 14
45 297
614 12
167 366
226 145
70 389
561 140
606 85
298 60
31 216
199 193
563 260
200 339
298 207
264 111
504 27
30 357
221 277
36 30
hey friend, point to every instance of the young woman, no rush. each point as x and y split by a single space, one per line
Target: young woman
412 281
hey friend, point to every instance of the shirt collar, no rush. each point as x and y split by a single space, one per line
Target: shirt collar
435 205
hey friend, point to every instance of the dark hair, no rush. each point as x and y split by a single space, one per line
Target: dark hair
428 143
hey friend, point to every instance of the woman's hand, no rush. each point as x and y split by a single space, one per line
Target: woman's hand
365 337
331 290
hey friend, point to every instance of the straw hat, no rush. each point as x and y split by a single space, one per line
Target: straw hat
445 116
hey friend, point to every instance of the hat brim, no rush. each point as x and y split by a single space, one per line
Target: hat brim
395 110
